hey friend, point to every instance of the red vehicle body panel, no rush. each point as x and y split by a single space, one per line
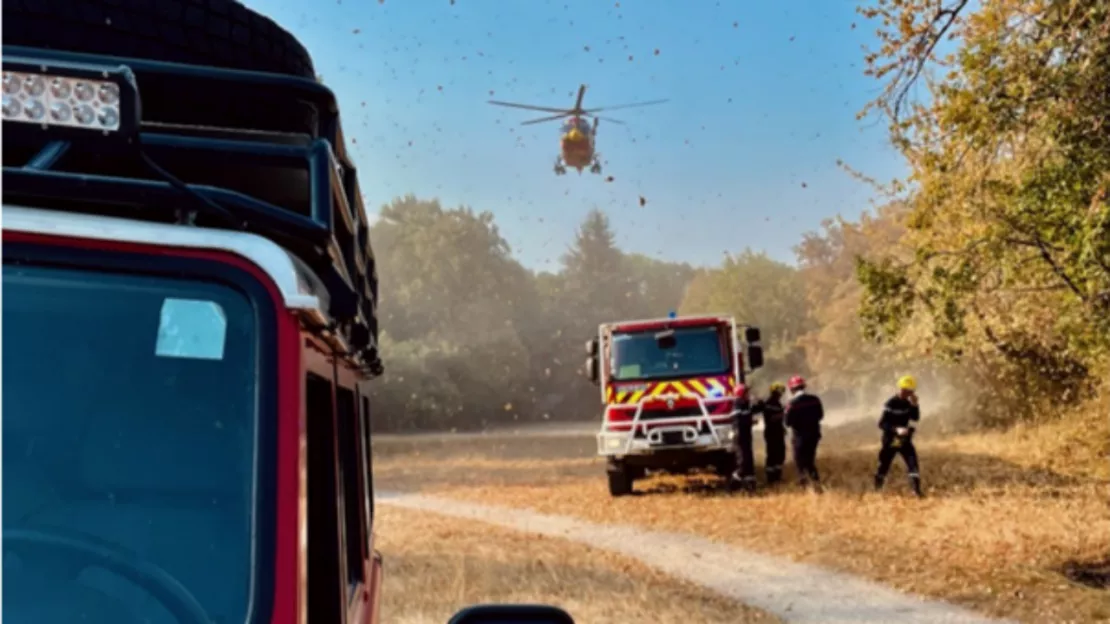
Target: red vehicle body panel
686 321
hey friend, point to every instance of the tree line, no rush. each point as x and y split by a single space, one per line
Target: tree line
987 268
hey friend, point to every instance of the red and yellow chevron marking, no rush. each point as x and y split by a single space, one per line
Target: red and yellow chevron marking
701 386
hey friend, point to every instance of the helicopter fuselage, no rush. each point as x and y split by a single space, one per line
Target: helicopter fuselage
578 150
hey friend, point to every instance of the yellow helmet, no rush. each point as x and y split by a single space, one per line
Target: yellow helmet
907 382
778 387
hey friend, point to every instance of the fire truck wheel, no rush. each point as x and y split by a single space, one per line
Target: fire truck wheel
620 479
725 465
217 33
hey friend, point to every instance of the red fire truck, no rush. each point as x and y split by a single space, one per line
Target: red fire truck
668 386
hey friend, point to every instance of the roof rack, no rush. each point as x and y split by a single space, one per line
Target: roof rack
299 190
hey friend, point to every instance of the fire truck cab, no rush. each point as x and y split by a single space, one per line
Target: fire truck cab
190 325
667 386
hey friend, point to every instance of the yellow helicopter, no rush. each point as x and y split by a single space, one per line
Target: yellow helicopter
579 136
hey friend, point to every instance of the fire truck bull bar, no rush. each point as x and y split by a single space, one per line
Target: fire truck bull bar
619 443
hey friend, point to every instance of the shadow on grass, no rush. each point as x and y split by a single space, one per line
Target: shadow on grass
851 471
1094 575
400 477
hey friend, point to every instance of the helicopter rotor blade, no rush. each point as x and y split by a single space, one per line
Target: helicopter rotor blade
609 120
591 111
581 94
544 119
542 109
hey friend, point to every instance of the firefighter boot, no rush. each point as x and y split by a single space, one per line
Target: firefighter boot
774 475
879 479
743 484
915 485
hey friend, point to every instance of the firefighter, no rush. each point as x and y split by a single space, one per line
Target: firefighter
774 432
898 422
744 477
803 416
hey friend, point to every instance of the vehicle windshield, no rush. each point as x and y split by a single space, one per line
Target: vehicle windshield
696 351
129 426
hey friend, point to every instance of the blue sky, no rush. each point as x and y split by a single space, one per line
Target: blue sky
763 97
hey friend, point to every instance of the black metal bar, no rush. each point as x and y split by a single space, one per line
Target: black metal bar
49 155
320 162
157 195
332 238
302 87
301 235
265 153
327 191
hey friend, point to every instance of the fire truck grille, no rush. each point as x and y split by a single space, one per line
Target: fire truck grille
679 412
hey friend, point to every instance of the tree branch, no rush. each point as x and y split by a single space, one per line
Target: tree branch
925 44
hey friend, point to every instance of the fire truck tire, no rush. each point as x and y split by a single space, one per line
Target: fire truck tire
725 465
217 33
620 480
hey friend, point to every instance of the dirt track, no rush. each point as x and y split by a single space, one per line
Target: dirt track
793 592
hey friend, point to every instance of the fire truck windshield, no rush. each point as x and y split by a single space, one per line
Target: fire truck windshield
697 351
129 428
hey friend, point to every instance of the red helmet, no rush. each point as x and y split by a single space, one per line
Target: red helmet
796 382
740 390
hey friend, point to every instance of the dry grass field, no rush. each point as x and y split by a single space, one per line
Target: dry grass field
1015 524
474 563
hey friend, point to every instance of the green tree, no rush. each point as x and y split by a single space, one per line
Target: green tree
835 345
454 308
658 285
1008 225
759 291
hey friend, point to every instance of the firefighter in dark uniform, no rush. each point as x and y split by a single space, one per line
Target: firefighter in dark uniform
803 417
898 422
774 432
742 418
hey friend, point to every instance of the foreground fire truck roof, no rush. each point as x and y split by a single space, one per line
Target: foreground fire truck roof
679 321
287 200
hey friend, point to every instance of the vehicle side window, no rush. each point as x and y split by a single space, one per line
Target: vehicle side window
351 500
324 584
367 463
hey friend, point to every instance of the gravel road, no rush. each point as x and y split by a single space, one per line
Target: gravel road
795 592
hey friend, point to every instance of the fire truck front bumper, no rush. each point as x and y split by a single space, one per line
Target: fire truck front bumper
690 438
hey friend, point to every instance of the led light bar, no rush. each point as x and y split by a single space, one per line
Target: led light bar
68 97
58 101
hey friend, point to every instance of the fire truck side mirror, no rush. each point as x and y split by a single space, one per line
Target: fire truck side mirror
591 369
591 347
751 335
755 356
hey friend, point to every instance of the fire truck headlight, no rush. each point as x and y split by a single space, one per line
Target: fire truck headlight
612 443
